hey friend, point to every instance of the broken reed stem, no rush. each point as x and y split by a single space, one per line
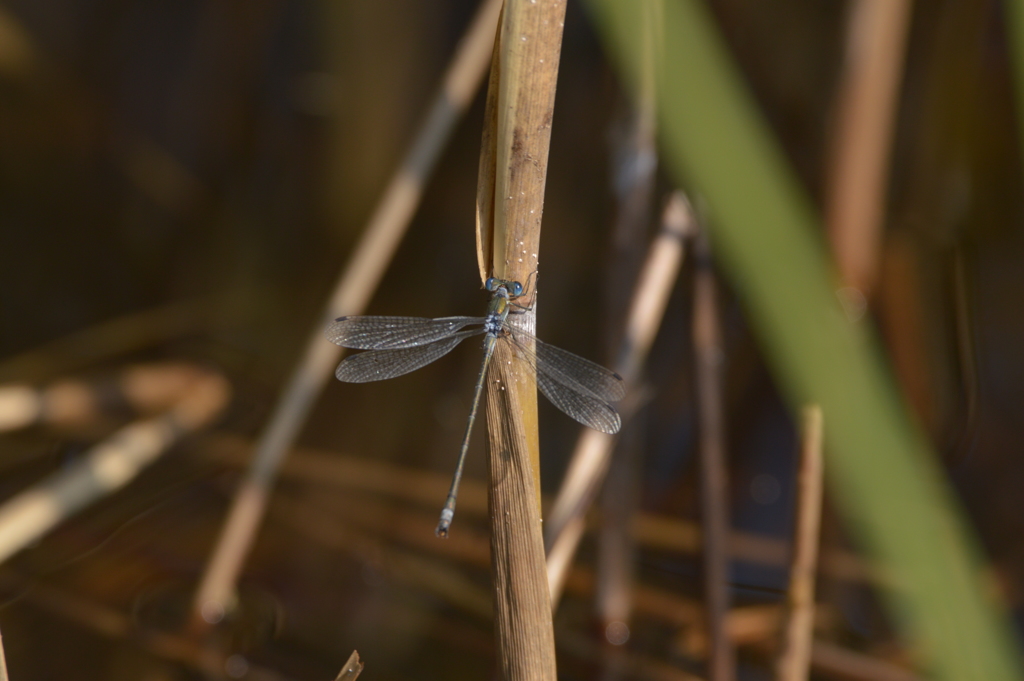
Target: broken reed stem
589 461
867 102
707 342
351 294
798 627
352 669
510 202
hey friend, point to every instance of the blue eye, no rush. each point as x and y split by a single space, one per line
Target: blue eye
492 284
515 289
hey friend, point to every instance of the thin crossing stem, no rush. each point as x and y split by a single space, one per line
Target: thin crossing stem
714 512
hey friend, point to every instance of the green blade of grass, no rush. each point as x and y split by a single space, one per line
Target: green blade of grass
887 481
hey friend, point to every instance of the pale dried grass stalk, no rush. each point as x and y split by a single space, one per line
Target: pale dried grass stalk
589 462
351 293
108 466
794 657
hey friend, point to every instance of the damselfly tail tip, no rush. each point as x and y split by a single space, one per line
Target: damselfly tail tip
446 522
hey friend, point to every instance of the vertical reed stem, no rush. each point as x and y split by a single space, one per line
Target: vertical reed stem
714 511
795 653
510 202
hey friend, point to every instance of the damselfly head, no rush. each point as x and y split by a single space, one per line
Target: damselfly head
514 288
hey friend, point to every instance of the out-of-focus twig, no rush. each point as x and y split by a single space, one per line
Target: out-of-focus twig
855 204
567 519
111 464
352 669
662 533
366 528
707 341
635 170
146 389
18 55
798 627
112 624
3 662
633 665
366 536
114 337
849 665
350 296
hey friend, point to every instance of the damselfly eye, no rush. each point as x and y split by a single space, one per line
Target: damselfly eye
515 289
492 284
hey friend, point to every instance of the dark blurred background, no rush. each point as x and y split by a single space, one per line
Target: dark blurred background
201 171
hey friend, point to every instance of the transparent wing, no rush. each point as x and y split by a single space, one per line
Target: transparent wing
578 387
585 409
601 383
570 370
388 333
379 365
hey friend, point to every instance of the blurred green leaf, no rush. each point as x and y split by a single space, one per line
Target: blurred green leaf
889 485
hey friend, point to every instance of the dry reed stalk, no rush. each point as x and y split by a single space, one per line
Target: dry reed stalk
589 462
867 101
660 533
108 466
351 293
352 669
798 627
707 341
510 203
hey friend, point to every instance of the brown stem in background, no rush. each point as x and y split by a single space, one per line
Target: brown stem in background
589 463
798 627
707 341
636 161
372 530
119 336
350 296
348 475
855 204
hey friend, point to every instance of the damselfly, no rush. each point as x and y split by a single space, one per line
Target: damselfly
398 345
